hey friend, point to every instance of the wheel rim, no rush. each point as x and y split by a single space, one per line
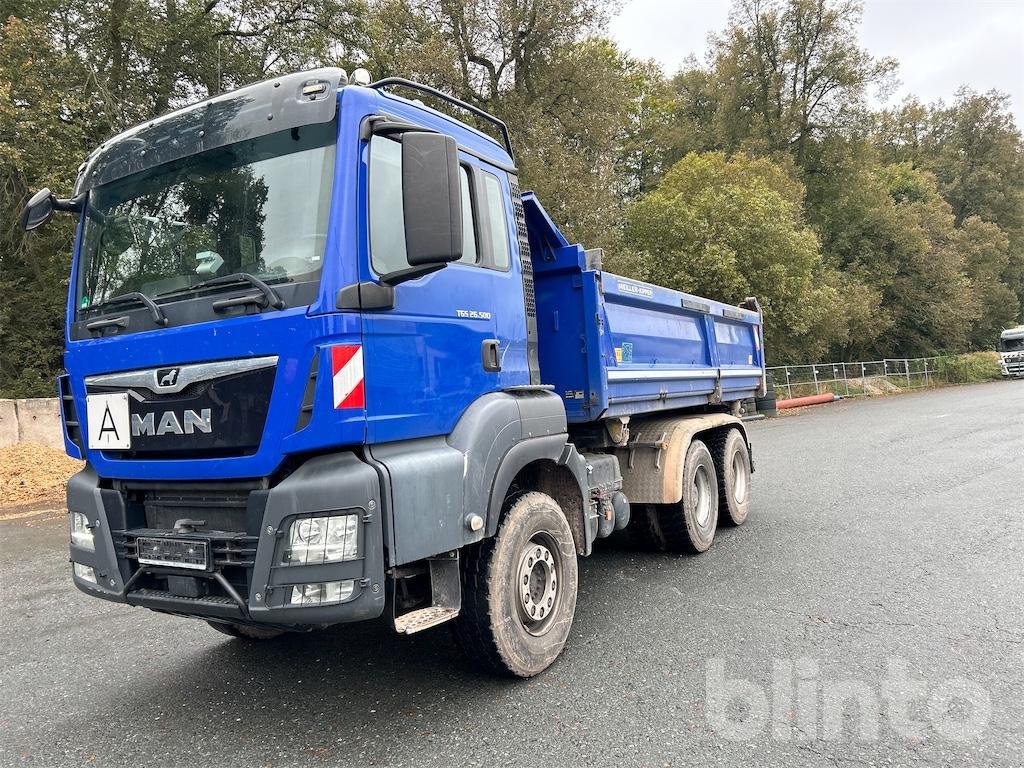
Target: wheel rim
702 493
538 582
741 478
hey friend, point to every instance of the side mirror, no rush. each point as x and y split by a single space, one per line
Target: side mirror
432 200
38 210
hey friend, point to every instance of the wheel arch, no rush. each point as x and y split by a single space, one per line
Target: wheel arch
553 468
653 460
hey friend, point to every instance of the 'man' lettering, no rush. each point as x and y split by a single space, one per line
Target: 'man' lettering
190 423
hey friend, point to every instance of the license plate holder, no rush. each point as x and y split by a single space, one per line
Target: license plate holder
192 554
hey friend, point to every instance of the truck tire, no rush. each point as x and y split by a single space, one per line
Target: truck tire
689 526
245 631
519 589
732 459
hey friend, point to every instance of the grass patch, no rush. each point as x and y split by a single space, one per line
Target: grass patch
971 368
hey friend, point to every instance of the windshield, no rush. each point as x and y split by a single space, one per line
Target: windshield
1011 345
258 206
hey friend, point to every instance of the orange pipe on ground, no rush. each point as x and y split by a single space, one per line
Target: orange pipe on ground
799 402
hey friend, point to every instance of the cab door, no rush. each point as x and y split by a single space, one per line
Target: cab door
500 253
429 356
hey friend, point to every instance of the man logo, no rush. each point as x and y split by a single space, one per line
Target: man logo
167 377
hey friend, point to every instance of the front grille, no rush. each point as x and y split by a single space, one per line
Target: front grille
1015 366
228 412
227 549
219 509
227 514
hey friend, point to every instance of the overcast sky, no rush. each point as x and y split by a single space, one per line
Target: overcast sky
940 44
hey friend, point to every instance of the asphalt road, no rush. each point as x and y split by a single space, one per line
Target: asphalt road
883 567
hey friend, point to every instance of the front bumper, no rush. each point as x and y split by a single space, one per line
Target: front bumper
247 580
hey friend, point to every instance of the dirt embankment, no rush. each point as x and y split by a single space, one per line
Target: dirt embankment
33 475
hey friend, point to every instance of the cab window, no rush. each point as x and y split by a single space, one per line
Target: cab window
386 213
494 210
469 251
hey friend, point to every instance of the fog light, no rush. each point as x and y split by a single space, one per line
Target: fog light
85 573
321 594
323 539
81 533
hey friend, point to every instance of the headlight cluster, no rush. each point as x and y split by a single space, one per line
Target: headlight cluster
81 533
321 594
328 539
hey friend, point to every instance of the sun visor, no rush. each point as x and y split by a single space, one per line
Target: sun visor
290 101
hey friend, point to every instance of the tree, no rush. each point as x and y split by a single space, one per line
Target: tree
732 228
66 86
44 131
986 252
925 286
791 72
565 92
975 150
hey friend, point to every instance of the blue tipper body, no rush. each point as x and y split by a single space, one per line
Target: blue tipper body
613 346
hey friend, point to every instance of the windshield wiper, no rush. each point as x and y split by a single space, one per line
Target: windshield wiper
272 299
270 296
134 297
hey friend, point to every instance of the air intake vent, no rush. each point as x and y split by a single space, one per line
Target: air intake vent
308 398
529 298
72 427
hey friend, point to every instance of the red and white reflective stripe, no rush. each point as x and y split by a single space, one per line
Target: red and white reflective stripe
347 372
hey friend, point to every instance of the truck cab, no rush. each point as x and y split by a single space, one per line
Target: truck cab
325 360
1011 352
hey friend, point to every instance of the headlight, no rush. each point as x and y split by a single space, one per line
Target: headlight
321 594
85 573
323 539
81 533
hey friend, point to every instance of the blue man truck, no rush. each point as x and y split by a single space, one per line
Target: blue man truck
325 359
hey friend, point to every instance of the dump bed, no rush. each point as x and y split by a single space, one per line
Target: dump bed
612 346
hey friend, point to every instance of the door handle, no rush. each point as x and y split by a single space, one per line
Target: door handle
490 355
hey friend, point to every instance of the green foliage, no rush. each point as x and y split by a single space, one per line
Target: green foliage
971 368
732 228
576 106
762 171
787 73
66 87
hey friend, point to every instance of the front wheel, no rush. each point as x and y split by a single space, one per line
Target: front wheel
519 590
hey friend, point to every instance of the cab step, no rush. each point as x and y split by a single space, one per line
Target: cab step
424 618
445 593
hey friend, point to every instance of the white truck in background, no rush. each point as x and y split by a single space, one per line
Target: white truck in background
1011 351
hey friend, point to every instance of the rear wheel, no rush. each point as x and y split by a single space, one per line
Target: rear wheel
689 526
732 457
246 631
519 590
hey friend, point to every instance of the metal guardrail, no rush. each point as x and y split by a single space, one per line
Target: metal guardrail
858 378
